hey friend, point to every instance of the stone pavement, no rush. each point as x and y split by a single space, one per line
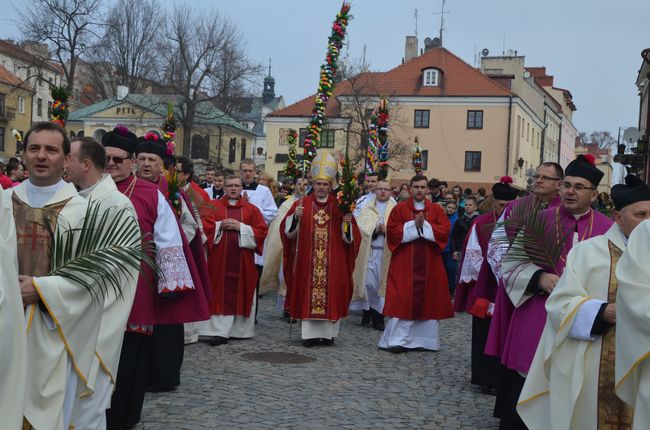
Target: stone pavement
352 385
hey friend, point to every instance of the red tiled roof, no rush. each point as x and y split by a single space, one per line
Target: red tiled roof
9 78
11 49
458 79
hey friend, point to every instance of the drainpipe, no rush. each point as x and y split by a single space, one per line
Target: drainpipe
219 149
559 141
541 146
508 138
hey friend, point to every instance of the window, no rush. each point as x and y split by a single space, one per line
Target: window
49 108
260 151
98 134
421 119
39 107
472 161
232 148
21 104
327 139
430 78
474 119
200 148
425 159
243 149
367 114
2 139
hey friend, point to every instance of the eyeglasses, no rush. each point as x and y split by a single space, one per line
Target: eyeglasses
577 187
116 160
545 178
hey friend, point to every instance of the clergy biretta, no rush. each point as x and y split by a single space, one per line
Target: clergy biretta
582 331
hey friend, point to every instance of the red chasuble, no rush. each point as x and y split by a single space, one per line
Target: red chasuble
416 288
233 275
319 274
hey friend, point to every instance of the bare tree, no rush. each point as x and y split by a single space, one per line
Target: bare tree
204 63
67 26
603 139
360 93
126 53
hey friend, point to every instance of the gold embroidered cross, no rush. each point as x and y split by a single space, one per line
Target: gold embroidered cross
321 217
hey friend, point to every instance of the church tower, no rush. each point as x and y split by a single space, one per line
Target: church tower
268 94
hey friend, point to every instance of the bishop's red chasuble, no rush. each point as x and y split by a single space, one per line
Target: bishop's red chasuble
233 276
318 263
417 288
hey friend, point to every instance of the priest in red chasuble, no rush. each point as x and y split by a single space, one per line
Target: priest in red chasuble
235 230
417 295
319 253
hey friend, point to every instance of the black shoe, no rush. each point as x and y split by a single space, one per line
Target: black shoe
377 320
366 317
308 343
397 349
327 342
218 340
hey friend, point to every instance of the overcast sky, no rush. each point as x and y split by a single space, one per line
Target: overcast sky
592 47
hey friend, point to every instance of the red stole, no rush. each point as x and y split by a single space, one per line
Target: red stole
233 276
416 288
319 274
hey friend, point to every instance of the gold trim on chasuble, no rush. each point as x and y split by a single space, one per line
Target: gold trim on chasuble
613 413
319 263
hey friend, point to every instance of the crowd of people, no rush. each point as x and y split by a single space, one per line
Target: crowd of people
538 272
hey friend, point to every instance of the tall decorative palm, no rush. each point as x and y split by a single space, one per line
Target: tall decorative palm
102 251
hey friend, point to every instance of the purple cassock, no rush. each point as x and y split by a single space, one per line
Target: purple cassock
528 319
149 308
503 307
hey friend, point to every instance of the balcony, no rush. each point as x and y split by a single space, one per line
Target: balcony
7 114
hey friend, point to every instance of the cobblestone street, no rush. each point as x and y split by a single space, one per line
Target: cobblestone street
352 385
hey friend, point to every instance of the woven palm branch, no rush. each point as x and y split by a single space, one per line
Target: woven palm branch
529 238
104 250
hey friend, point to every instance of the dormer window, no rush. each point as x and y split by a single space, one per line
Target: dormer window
430 77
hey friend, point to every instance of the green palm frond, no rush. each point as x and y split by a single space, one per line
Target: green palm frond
530 238
103 251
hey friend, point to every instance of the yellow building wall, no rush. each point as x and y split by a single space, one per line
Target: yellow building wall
20 122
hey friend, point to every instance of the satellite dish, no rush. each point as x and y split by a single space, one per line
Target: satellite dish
526 74
631 134
437 43
427 41
485 52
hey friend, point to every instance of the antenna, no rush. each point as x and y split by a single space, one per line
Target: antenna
363 62
504 44
442 21
269 66
416 23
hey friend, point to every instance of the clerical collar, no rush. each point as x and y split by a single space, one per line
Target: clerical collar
232 202
625 238
217 193
86 192
418 205
251 186
40 195
577 217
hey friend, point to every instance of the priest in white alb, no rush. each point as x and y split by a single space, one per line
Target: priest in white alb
570 384
62 318
13 371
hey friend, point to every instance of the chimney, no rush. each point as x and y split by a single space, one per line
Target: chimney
122 92
411 48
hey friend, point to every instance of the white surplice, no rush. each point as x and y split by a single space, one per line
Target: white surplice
262 198
561 389
13 370
62 340
633 325
90 411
